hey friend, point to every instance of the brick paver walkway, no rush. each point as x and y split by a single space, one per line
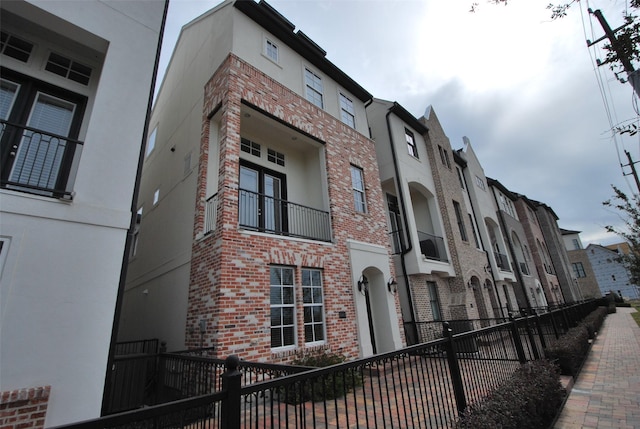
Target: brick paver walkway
607 391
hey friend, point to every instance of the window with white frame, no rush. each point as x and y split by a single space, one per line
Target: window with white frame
357 183
411 143
283 326
313 306
347 112
314 89
271 50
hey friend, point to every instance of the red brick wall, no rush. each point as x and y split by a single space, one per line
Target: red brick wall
229 286
24 408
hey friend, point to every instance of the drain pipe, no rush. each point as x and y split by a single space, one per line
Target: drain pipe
409 247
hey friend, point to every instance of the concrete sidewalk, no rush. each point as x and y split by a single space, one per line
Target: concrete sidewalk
607 391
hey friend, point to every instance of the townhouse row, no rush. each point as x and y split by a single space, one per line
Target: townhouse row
284 210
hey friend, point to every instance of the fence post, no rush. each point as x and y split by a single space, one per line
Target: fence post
160 373
515 333
454 368
543 343
231 384
532 340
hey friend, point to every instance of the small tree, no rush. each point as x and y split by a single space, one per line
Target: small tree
629 208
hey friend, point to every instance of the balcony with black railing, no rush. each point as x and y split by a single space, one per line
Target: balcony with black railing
524 268
432 246
36 161
264 213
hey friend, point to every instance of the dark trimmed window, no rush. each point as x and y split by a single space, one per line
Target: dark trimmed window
357 183
40 125
411 143
460 220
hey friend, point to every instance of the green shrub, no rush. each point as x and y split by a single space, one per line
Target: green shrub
570 350
593 321
325 386
530 399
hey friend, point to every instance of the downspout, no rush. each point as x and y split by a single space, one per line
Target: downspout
513 253
409 247
493 276
132 224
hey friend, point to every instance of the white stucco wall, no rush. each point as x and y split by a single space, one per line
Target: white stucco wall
63 262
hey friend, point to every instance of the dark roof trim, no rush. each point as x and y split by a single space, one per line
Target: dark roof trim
458 159
271 20
408 118
568 231
495 183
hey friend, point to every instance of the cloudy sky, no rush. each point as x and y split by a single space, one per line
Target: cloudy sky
523 88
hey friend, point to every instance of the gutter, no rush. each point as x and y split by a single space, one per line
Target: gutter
409 247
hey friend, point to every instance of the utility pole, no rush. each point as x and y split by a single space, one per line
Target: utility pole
633 169
634 77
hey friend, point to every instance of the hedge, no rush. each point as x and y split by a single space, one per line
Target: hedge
530 399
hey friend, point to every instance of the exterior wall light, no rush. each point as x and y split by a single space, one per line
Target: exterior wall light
363 285
392 285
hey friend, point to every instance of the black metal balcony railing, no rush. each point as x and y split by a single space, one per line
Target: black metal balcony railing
502 261
35 161
524 269
264 213
432 246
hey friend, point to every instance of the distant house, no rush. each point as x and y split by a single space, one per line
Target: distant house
76 80
263 226
581 264
611 274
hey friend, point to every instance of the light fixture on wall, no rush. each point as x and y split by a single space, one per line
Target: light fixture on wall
363 285
392 285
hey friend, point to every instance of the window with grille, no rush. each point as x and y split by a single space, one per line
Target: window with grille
314 89
283 327
357 183
313 306
347 112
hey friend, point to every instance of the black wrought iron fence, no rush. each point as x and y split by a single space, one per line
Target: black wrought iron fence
422 386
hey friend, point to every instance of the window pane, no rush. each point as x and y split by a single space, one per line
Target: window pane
276 295
288 336
319 332
307 315
287 295
287 278
276 337
287 315
40 155
306 295
7 96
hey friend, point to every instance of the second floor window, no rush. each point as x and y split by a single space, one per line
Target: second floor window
347 113
38 137
357 183
411 143
313 84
